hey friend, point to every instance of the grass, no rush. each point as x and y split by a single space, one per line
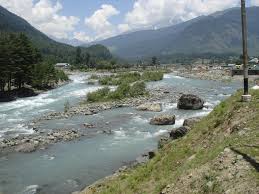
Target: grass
123 91
207 140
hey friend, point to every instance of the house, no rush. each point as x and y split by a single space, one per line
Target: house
254 61
62 65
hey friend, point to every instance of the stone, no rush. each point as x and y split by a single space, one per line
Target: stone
26 148
88 125
191 121
154 107
179 132
163 120
190 102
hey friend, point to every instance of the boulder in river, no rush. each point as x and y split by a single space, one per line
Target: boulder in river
191 121
26 148
190 102
154 107
179 132
163 120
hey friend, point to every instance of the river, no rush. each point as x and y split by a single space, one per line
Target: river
70 166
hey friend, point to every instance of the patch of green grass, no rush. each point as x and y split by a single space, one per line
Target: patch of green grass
152 75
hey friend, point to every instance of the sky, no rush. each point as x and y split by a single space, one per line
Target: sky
91 20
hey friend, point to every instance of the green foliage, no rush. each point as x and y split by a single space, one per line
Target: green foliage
138 89
44 75
17 57
124 90
99 95
152 75
20 64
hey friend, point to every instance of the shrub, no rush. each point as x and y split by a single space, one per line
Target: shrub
152 75
98 95
138 89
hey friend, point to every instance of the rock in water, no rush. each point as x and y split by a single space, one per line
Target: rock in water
154 107
26 148
190 102
179 132
163 120
191 121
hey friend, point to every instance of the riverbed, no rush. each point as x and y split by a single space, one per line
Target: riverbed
70 166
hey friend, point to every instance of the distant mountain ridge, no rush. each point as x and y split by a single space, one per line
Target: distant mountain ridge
10 22
217 33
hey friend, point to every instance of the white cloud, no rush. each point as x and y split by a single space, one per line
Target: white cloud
99 22
82 36
255 2
43 15
148 13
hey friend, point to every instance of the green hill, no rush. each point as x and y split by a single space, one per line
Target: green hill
220 154
10 22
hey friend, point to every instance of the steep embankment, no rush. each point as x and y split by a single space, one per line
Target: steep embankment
219 155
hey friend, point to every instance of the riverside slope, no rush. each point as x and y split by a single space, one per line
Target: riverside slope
219 155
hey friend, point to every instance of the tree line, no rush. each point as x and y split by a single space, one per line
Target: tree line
22 64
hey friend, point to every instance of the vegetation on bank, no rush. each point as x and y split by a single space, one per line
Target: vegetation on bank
21 64
219 155
130 84
131 77
124 90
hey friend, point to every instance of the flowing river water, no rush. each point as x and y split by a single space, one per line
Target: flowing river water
70 166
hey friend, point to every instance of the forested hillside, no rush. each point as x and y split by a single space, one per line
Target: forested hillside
49 48
21 64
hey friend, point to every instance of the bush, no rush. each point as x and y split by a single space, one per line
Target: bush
124 90
138 89
98 95
152 75
108 81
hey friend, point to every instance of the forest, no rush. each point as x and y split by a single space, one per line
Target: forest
22 64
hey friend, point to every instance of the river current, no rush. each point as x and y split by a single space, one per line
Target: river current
70 166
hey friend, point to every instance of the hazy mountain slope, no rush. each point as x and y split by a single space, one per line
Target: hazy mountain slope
10 22
216 33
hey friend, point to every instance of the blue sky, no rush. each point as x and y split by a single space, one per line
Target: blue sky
89 20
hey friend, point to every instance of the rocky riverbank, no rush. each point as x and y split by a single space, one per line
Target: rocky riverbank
144 158
38 140
41 139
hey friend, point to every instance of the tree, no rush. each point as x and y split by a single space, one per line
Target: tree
78 60
154 61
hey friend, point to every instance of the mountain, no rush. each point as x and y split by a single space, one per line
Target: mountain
72 42
10 22
218 33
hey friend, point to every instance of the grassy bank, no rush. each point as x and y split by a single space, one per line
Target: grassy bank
124 90
130 85
219 155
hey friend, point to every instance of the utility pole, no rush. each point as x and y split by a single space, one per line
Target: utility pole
246 97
